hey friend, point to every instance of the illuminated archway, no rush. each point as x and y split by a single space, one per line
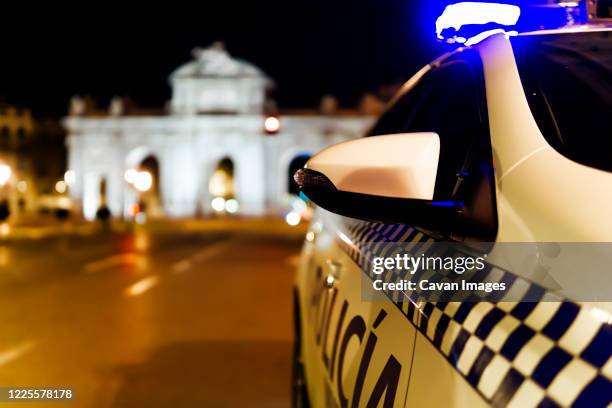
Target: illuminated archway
221 187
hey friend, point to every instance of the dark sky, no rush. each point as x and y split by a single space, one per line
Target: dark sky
309 47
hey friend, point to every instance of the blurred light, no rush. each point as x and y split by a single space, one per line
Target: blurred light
5 229
220 183
142 286
298 205
130 175
310 236
272 124
5 174
231 206
601 315
457 15
329 281
293 218
218 204
134 209
143 181
141 241
140 218
64 202
69 177
60 186
22 186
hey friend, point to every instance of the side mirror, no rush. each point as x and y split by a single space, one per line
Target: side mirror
383 178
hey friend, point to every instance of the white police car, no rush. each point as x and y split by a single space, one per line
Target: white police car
505 139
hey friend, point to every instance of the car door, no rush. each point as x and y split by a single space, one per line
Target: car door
360 347
355 352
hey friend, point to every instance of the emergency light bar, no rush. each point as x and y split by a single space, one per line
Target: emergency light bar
456 16
470 22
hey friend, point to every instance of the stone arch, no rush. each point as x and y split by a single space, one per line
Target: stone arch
95 193
143 158
222 180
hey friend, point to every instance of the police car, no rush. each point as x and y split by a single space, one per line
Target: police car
506 138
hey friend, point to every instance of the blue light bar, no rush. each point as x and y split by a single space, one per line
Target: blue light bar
471 22
456 16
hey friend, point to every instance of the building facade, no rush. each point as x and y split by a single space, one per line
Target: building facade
217 115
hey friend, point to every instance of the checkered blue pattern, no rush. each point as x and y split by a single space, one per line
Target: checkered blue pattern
549 353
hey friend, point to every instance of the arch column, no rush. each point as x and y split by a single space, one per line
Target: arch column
250 179
179 180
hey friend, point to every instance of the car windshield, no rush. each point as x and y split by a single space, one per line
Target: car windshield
568 83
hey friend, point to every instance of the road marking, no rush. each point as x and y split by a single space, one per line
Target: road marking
14 353
142 286
200 256
181 266
123 259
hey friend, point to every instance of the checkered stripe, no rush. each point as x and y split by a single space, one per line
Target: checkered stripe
519 354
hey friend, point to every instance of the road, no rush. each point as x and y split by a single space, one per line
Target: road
155 319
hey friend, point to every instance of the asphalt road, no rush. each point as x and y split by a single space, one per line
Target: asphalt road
149 319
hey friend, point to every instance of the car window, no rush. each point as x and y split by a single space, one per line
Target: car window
568 83
446 101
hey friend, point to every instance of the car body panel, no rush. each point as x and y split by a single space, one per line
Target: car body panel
482 353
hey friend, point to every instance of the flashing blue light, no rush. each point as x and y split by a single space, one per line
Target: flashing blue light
471 22
456 16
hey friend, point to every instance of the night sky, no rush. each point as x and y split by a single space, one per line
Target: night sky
310 48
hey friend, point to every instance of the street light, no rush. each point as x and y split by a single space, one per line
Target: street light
69 177
5 174
130 175
231 206
60 187
143 181
271 124
218 204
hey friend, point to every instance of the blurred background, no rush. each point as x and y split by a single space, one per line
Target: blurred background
150 224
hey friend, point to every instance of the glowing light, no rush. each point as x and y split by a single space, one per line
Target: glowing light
22 186
486 34
69 177
60 186
231 206
344 238
220 183
140 218
5 174
143 181
5 229
134 209
329 281
601 315
130 175
298 205
218 204
293 218
142 286
272 124
468 13
310 236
